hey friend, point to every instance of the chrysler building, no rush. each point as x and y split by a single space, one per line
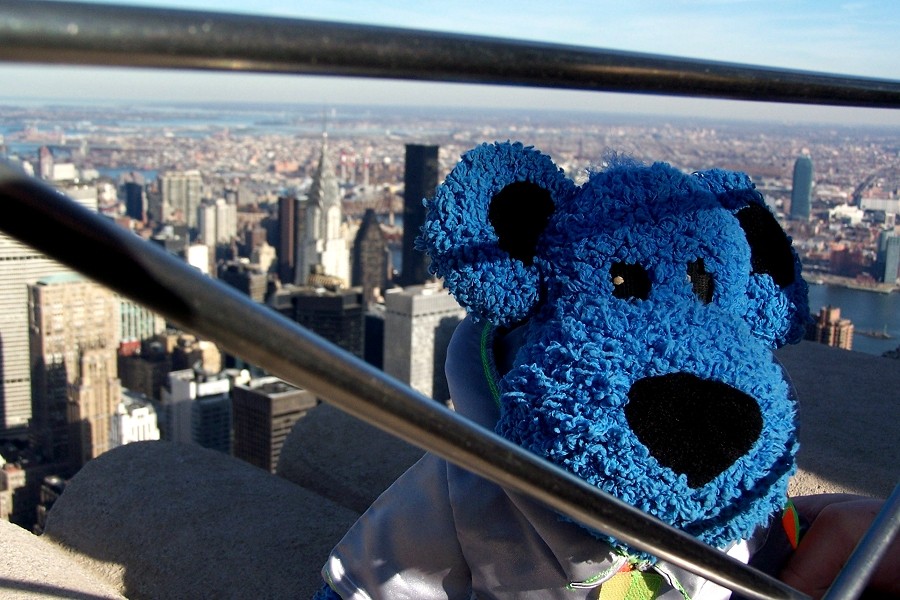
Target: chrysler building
323 241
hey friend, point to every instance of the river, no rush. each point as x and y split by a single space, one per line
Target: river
869 311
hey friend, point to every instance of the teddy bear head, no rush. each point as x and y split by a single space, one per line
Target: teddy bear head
646 304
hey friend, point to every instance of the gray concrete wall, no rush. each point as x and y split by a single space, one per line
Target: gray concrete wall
163 520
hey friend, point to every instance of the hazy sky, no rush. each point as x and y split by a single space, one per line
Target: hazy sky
857 38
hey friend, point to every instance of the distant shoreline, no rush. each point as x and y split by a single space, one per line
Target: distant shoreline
851 283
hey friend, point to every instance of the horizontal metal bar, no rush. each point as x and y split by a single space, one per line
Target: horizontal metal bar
851 581
43 218
92 34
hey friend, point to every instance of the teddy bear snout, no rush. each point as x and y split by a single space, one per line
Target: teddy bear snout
694 426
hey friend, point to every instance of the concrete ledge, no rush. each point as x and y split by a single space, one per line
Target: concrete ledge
849 420
32 568
343 459
163 520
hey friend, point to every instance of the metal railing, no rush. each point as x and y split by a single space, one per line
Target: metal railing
86 34
92 34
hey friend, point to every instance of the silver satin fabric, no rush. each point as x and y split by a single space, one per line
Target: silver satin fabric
440 532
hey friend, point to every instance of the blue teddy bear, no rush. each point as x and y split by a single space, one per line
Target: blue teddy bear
623 330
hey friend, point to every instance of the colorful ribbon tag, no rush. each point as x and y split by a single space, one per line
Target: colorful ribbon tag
790 520
631 585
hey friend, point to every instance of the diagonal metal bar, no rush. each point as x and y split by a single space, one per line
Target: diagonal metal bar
851 581
41 217
110 35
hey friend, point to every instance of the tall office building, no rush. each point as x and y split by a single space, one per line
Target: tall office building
217 223
830 329
264 411
887 262
181 192
190 352
336 315
801 192
199 256
263 256
245 277
418 324
211 420
173 239
288 225
196 408
420 181
138 323
82 193
20 266
74 326
323 241
146 373
371 258
20 488
45 163
206 224
135 198
373 336
254 237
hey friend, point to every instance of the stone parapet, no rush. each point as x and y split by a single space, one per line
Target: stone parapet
164 520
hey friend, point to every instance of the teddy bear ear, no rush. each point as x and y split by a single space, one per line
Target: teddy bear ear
777 298
483 228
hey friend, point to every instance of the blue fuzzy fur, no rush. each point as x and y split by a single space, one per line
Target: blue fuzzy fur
326 593
584 348
462 243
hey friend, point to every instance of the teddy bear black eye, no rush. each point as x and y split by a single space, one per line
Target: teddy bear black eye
630 281
701 281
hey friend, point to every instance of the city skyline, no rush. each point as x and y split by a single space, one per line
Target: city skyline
243 162
255 153
854 38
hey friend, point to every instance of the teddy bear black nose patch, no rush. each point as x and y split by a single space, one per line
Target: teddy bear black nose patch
691 425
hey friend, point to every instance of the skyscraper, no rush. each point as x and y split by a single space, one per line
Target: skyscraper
419 321
135 198
887 262
138 323
265 411
323 242
288 216
830 329
420 181
181 192
336 315
801 192
146 373
20 266
45 163
206 224
74 326
246 278
196 408
217 222
371 258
